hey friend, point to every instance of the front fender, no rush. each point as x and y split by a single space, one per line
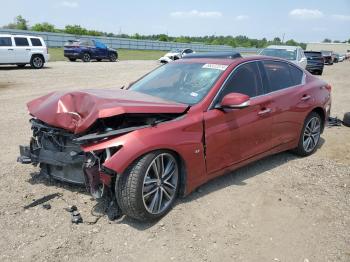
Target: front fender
181 136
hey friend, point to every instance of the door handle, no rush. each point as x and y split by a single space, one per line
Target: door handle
28 49
264 111
305 97
11 49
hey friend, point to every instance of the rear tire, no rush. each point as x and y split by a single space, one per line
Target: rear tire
148 188
310 135
86 57
113 57
37 61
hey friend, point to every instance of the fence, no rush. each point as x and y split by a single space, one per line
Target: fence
58 40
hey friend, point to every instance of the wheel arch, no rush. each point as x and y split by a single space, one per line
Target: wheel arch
180 160
321 112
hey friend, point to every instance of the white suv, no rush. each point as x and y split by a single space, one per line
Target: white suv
23 49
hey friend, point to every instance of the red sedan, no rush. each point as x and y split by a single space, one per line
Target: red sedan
176 128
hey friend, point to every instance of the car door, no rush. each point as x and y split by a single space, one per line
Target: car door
288 97
238 134
22 50
101 49
6 50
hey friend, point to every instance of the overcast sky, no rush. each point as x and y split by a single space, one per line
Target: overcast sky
308 21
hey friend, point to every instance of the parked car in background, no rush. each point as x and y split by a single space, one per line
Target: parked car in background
176 128
315 62
175 54
21 50
328 57
295 54
87 50
335 57
342 58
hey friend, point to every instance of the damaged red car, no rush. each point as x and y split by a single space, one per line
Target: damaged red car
177 127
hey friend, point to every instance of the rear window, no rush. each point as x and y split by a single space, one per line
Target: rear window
313 54
296 74
278 74
21 41
36 42
5 41
288 54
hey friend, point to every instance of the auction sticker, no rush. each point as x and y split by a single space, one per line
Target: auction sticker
215 66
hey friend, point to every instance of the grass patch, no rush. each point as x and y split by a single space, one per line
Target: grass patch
56 54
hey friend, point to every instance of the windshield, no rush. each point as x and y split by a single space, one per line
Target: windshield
180 82
281 53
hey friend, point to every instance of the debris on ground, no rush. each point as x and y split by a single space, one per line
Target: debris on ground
42 200
47 206
334 121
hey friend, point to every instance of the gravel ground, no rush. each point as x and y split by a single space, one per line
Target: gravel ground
282 208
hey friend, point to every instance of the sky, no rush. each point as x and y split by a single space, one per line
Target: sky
301 20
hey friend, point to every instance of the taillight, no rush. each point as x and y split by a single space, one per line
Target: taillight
328 87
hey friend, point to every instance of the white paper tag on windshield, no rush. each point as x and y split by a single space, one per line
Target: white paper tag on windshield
215 66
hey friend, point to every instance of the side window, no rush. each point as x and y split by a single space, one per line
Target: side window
297 75
246 80
278 75
21 41
36 42
5 41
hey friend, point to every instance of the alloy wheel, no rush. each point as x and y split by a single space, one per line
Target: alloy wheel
311 134
160 183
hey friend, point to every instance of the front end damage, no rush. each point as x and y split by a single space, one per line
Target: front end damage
59 153
60 156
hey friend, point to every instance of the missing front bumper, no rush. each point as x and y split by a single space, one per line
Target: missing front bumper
64 166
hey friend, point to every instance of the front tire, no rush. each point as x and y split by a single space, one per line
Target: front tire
148 188
310 135
72 59
37 61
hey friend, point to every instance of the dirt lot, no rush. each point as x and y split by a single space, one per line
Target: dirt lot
282 208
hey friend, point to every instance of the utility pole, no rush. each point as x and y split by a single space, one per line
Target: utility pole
283 38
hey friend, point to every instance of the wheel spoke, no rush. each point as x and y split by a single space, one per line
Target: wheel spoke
155 169
160 199
166 193
154 200
150 192
169 169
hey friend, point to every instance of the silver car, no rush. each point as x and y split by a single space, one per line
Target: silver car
294 54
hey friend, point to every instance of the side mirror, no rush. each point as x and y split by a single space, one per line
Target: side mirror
235 101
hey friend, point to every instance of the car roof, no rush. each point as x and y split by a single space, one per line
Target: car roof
14 35
229 61
283 47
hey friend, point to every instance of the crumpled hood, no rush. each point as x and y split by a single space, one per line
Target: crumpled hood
77 111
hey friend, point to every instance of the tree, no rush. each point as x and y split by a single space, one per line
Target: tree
19 23
75 30
327 40
43 27
163 37
291 42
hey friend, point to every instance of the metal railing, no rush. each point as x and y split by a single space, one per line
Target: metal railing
59 39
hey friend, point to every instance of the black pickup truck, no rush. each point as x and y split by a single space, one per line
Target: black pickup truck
315 62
